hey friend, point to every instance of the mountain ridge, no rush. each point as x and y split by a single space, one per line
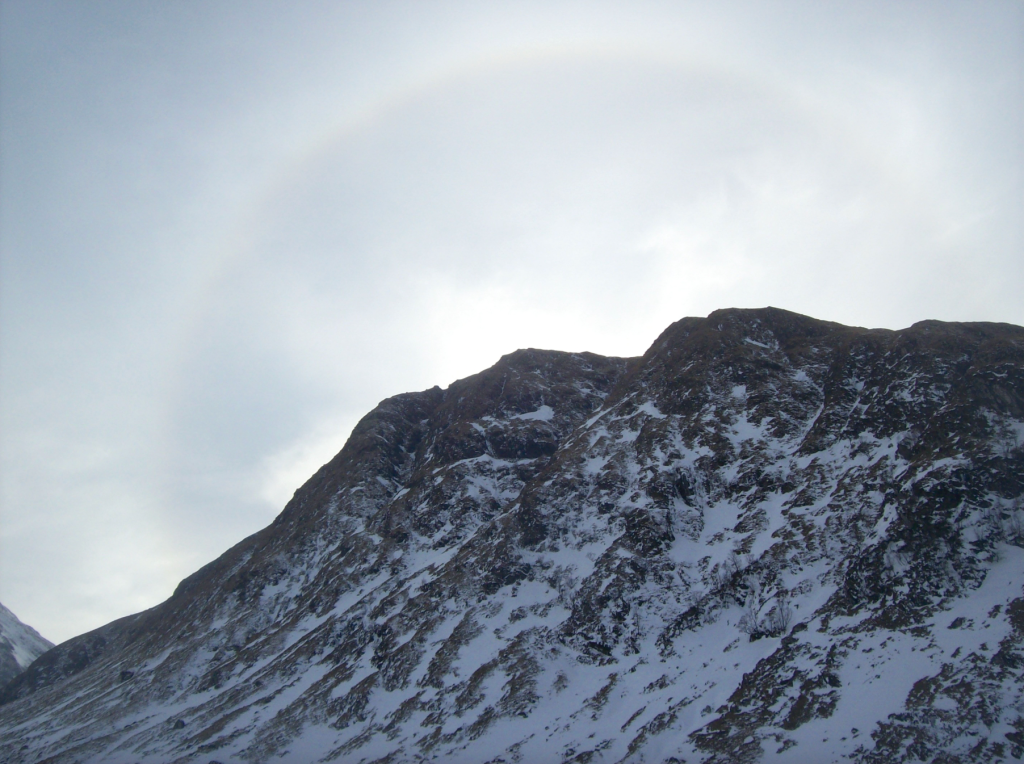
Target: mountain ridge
732 514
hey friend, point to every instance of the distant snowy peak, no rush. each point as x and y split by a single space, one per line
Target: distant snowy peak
19 645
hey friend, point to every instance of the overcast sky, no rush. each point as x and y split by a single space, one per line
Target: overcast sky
229 229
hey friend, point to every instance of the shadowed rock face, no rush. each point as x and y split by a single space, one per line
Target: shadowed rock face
769 538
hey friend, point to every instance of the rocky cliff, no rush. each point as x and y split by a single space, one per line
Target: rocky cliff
770 538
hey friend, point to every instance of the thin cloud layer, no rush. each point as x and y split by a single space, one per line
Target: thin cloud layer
228 230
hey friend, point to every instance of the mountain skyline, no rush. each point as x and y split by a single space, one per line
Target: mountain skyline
769 538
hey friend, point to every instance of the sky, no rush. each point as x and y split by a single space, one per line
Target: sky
229 229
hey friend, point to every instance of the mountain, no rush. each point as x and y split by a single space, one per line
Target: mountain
19 645
770 538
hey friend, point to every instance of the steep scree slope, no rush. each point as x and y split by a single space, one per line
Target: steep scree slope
770 538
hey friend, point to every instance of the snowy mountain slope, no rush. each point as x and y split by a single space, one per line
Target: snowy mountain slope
769 538
19 645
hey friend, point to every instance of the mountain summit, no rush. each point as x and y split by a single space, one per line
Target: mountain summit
770 538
